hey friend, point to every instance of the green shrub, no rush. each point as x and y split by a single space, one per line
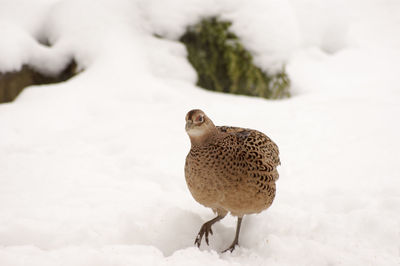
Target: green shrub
224 65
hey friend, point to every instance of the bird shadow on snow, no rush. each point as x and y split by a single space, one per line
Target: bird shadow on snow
176 229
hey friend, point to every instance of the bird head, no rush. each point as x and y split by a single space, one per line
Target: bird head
198 125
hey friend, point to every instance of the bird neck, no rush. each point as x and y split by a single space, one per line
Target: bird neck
207 137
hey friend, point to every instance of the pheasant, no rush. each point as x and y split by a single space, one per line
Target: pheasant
229 169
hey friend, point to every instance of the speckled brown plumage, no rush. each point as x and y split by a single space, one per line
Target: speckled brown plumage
229 169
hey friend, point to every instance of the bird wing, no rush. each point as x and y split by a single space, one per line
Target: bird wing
259 152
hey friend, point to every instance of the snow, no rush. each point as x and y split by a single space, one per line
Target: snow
18 48
91 170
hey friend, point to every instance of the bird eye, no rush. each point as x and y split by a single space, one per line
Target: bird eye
200 118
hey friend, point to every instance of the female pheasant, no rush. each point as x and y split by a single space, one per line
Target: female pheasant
229 169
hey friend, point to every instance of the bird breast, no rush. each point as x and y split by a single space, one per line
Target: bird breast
236 172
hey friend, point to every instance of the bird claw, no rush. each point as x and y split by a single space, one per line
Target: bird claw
231 248
205 230
197 241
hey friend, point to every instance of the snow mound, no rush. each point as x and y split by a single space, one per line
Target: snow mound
18 48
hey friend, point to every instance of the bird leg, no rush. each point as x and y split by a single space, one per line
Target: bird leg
236 240
206 229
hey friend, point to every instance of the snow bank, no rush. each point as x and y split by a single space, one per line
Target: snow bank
21 31
91 170
18 48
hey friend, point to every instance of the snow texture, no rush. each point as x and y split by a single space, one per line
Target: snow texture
91 170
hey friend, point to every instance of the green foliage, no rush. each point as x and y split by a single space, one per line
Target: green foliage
224 65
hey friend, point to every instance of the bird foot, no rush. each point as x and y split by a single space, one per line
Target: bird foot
231 247
205 230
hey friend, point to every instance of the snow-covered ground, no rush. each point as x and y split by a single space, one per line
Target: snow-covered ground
91 170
